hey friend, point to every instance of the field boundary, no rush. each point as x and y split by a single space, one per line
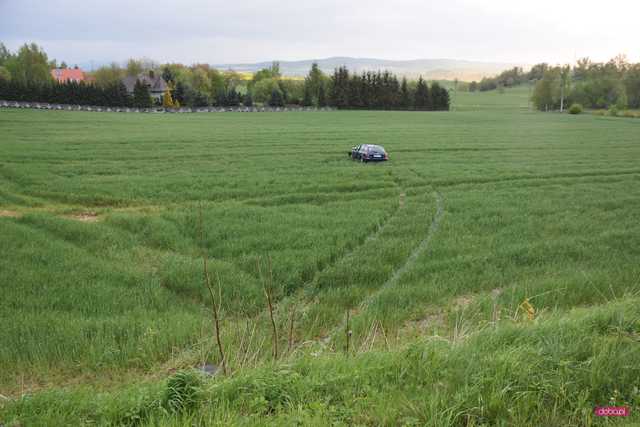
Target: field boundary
102 109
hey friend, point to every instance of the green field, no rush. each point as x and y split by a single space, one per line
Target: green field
104 310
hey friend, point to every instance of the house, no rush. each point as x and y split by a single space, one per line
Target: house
156 84
68 75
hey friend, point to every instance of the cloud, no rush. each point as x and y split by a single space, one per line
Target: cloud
255 30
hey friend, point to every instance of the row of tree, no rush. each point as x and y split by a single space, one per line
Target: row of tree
591 84
25 76
75 93
509 78
383 91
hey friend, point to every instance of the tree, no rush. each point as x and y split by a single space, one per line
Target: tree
199 99
141 95
273 72
314 81
307 100
340 88
439 98
5 75
599 85
473 86
4 54
29 66
221 97
322 97
231 79
168 75
276 99
119 95
405 95
546 91
292 90
565 76
248 100
632 85
180 93
167 100
233 98
200 81
263 89
421 97
537 71
134 67
108 75
275 69
113 95
216 81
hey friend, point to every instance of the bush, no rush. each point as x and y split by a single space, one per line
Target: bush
183 391
575 109
613 111
629 114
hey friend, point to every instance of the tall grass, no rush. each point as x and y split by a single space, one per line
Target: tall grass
533 206
550 372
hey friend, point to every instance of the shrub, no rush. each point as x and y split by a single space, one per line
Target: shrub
629 114
613 111
183 391
575 109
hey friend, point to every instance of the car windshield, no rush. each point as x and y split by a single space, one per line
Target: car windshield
375 148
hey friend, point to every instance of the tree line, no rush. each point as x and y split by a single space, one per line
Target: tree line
76 93
599 85
614 84
383 91
509 78
25 76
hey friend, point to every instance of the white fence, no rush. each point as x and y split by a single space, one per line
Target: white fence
69 107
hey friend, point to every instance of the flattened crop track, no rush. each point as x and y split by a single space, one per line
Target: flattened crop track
408 264
374 234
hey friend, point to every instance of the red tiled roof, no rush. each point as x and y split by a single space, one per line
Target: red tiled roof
62 75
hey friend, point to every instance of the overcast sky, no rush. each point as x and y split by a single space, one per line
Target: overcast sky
262 30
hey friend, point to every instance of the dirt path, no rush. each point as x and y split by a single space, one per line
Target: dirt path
9 214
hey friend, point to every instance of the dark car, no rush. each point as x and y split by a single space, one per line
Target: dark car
368 152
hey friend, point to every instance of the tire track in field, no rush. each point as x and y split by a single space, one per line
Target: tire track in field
399 272
378 229
515 178
299 297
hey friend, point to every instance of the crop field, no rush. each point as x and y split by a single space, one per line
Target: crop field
489 272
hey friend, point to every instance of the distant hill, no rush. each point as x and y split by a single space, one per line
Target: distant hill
432 69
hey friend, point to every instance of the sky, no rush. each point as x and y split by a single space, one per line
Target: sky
246 31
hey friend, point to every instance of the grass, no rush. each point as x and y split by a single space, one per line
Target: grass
431 253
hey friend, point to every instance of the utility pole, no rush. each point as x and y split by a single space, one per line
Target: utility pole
565 75
455 94
562 91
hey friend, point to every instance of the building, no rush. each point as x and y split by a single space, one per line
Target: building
156 84
68 75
